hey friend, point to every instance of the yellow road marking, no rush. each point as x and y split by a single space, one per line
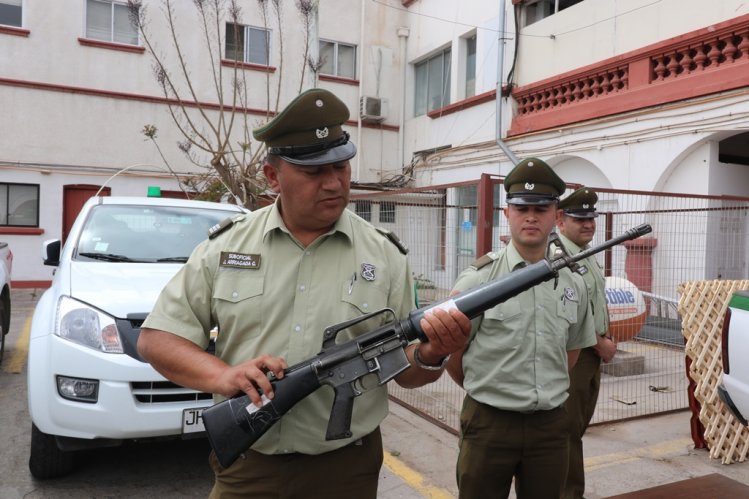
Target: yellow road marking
670 447
414 479
18 359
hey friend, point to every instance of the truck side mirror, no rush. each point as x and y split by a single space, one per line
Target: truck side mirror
51 252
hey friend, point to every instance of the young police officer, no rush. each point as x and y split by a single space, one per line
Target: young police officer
515 367
272 281
577 226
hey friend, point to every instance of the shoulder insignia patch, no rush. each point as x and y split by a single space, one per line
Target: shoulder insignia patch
484 261
220 227
393 239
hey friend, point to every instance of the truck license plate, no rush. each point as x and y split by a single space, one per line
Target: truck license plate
192 421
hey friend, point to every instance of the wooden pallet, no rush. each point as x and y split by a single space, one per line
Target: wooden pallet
702 305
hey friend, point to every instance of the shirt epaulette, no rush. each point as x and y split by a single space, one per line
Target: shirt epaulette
393 239
484 261
222 226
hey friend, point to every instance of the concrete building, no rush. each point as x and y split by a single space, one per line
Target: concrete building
628 94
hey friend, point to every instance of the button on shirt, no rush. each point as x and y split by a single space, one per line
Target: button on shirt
517 356
595 282
282 307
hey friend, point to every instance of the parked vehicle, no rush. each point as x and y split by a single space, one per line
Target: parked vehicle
87 386
734 389
6 266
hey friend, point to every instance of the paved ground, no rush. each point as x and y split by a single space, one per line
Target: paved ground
420 457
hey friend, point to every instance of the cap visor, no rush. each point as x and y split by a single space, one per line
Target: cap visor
531 200
334 155
587 214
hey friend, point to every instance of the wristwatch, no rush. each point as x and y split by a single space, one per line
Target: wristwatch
428 367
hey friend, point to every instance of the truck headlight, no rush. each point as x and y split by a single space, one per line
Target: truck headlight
83 324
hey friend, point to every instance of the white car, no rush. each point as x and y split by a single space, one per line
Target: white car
87 386
734 390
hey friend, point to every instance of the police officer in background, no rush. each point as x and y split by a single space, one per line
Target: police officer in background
272 281
515 366
577 226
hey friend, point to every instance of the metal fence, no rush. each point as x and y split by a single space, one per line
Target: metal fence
446 227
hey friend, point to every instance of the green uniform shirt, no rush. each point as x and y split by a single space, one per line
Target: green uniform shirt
268 294
517 356
595 282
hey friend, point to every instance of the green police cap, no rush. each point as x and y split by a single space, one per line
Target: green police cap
580 204
533 182
308 131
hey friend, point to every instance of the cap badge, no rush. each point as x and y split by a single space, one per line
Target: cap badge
368 271
529 186
586 206
530 163
321 133
319 103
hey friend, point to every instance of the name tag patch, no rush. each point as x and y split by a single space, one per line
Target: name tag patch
239 260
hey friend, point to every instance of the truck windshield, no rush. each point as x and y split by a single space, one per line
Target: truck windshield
129 233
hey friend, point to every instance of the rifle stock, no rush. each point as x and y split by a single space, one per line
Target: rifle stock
236 424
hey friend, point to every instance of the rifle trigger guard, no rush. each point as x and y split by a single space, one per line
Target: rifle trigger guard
331 332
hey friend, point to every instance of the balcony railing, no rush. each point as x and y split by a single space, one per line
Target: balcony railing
698 63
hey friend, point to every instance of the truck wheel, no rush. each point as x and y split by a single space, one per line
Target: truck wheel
47 460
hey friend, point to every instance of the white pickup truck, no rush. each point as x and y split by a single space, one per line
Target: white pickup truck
734 389
6 266
87 386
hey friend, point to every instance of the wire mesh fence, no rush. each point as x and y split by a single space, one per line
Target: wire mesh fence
447 227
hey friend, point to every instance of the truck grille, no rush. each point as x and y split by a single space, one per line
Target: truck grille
161 392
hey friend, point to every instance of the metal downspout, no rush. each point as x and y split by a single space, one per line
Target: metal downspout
500 70
403 33
361 86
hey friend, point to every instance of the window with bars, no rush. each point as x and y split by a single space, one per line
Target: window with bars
338 59
11 13
387 212
109 22
19 205
247 44
432 83
363 208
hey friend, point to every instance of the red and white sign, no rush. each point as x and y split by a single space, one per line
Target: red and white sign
627 312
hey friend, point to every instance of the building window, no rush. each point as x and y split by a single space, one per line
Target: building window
19 205
109 22
10 12
338 59
387 212
363 208
535 10
432 83
471 66
248 44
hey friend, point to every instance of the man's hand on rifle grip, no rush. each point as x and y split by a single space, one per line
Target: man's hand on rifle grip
251 377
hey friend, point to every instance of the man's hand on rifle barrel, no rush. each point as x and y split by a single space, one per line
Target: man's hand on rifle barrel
251 377
447 333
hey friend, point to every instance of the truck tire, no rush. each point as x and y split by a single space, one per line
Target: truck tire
47 460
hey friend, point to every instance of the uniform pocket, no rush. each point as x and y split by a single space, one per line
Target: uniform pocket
361 299
238 302
501 325
567 310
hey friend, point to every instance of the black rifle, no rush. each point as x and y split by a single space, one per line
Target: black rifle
235 424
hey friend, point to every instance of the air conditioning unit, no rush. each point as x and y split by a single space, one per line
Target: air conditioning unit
373 109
